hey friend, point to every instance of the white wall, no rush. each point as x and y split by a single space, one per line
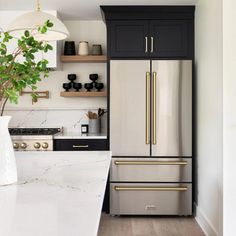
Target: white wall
229 98
209 115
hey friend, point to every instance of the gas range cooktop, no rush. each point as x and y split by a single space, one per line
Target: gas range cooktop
33 139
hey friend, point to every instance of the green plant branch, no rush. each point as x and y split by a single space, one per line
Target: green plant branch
3 106
16 76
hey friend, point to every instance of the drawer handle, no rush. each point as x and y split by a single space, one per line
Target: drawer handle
150 207
151 162
143 188
80 146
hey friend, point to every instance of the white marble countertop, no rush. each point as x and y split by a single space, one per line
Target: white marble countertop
79 136
58 194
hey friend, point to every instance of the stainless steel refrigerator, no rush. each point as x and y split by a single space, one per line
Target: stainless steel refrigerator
151 137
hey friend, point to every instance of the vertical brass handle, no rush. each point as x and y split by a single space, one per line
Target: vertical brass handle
146 44
147 107
154 117
152 41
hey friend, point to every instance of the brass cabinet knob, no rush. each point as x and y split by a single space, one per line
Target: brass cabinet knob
23 145
37 145
16 145
45 145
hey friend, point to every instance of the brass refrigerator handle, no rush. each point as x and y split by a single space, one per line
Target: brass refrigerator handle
154 117
151 163
151 188
146 44
147 107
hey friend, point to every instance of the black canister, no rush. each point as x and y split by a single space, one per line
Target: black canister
69 48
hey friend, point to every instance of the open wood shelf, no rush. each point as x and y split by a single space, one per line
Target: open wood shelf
89 58
83 94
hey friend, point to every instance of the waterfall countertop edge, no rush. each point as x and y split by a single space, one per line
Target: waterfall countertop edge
57 194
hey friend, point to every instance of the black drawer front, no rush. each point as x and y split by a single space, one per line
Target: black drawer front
80 144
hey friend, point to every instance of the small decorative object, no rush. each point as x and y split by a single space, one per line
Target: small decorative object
69 48
97 49
93 77
67 86
84 129
72 83
88 86
71 77
99 86
77 86
83 48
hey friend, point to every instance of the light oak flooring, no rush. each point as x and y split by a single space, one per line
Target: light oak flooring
148 226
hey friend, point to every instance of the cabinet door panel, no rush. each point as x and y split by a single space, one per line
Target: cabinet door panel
129 38
173 108
128 107
170 38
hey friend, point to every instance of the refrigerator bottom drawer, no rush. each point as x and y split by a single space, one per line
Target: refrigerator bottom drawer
150 199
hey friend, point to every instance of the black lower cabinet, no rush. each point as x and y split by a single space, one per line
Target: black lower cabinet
80 145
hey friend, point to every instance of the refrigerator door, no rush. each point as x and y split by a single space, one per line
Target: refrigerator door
130 107
171 108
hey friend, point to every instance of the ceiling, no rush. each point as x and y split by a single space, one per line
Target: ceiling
83 9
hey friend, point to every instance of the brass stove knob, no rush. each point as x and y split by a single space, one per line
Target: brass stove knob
37 145
23 145
16 145
45 145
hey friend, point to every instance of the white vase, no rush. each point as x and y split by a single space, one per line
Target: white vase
8 171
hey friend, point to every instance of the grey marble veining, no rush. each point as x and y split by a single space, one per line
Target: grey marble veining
70 120
58 194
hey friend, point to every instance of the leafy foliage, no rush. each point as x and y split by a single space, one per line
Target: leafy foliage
16 75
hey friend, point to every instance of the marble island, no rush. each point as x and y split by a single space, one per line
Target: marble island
57 194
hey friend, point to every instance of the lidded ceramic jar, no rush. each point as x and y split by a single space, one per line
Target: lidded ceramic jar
83 48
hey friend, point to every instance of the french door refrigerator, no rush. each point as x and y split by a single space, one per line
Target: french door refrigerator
151 137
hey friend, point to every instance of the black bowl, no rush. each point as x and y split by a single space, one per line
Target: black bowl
77 86
99 86
67 86
71 77
93 77
88 86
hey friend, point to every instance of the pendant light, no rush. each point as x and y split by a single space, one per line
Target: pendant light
32 20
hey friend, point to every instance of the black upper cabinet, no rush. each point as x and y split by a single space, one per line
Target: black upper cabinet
169 38
150 32
128 38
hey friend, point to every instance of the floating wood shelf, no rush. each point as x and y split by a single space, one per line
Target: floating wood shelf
89 58
83 94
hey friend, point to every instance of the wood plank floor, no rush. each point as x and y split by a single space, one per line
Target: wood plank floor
148 226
